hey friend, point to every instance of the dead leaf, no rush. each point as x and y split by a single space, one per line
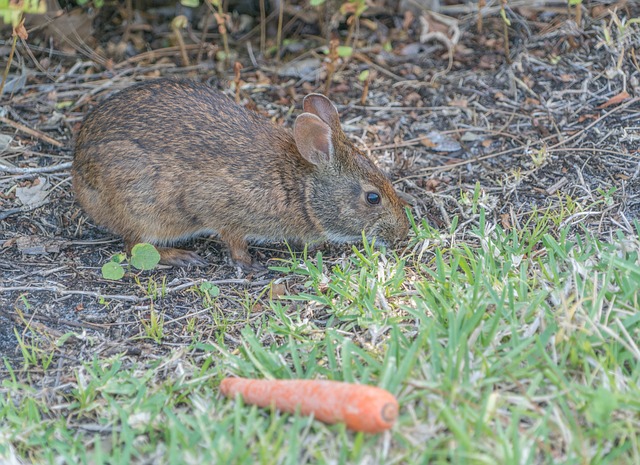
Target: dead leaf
408 20
9 243
5 142
615 100
412 99
432 184
439 27
505 221
471 136
34 194
38 245
489 62
20 30
307 69
262 78
583 118
277 291
342 87
440 142
530 13
257 307
427 142
69 29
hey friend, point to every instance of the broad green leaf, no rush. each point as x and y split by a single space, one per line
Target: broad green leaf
144 256
112 271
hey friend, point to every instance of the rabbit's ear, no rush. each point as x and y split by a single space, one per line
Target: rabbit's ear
322 107
313 139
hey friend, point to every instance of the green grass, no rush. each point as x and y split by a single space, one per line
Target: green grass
503 347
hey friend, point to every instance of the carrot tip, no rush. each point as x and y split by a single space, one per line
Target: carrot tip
389 412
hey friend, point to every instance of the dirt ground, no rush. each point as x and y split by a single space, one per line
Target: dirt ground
555 126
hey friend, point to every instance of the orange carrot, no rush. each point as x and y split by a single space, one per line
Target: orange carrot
361 408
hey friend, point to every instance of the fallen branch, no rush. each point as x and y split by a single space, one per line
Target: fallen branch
42 169
31 132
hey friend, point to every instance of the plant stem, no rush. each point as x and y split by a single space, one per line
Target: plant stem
263 27
6 69
279 35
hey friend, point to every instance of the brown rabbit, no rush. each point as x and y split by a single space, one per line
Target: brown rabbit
171 159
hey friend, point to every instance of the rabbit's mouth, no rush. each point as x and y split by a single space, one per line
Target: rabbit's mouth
385 236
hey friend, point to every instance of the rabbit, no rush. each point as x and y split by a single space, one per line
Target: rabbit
167 160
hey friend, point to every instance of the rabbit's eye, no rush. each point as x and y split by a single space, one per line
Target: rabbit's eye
373 198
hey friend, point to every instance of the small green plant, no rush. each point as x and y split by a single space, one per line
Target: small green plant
154 326
143 257
32 355
578 10
606 196
218 9
210 290
365 79
181 22
25 302
190 328
354 8
209 293
11 11
152 288
540 157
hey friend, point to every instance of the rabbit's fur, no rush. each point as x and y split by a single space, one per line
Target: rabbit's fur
171 159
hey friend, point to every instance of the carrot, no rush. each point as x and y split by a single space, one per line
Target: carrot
361 408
